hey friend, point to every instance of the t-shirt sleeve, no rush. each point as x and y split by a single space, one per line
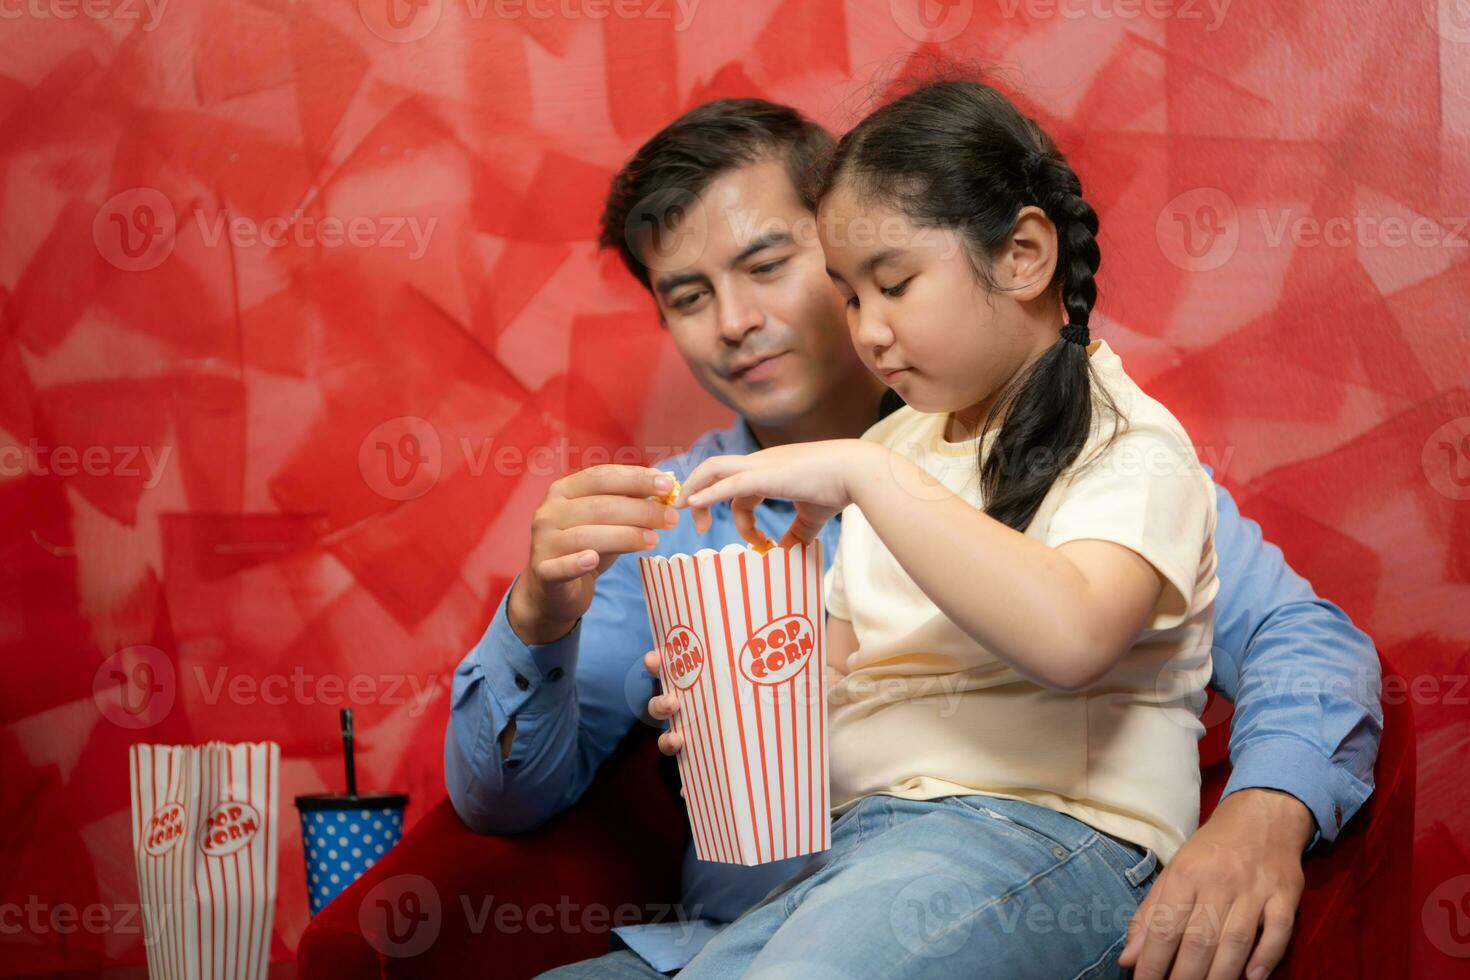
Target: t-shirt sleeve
1147 492
834 591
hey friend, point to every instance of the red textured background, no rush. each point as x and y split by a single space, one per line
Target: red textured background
1316 375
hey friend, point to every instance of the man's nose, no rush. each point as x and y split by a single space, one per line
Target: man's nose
738 316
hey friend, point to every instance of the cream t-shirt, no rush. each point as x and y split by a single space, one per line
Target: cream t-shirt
925 711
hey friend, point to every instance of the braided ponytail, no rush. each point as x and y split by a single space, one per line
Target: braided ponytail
960 155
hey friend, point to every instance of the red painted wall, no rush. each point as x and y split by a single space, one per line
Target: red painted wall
302 312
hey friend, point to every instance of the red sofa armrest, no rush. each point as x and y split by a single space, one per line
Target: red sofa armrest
449 902
1355 915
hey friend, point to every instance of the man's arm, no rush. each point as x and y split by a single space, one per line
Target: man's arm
1305 681
560 707
1303 741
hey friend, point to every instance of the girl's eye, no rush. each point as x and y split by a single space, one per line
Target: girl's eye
766 267
852 303
898 290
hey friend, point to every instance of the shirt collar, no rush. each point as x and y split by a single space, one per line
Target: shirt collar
738 440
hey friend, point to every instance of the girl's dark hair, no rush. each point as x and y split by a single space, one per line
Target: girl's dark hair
960 155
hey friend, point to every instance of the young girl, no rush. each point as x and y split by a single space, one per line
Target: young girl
1020 609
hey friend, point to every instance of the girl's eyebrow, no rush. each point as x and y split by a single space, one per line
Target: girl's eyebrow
871 262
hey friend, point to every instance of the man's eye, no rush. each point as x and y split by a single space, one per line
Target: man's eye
766 267
900 289
687 300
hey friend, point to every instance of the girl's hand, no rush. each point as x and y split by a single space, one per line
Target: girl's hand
816 476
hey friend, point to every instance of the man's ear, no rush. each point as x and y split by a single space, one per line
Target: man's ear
1026 262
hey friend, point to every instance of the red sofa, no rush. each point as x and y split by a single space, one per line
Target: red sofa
621 845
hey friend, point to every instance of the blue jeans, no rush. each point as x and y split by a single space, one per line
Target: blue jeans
963 886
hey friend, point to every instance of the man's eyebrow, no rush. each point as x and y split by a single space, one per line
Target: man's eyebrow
769 240
668 284
869 263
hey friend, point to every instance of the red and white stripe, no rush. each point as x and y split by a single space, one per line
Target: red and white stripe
754 765
209 916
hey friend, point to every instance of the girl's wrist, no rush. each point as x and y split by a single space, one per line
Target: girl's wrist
866 463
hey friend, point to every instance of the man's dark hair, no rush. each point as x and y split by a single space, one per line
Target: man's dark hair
673 168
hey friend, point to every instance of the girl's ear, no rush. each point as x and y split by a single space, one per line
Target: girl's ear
1026 262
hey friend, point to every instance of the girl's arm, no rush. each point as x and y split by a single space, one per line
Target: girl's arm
1061 616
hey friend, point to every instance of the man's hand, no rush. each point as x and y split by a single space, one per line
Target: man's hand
586 521
1240 871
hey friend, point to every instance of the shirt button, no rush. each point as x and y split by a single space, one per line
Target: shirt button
512 763
554 673
522 683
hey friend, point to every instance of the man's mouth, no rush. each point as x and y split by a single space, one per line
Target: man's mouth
757 370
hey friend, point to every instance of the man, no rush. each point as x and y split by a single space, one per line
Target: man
711 216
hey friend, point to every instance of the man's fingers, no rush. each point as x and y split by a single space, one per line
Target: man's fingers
612 510
663 706
603 539
613 478
1237 938
670 743
653 663
567 567
582 548
1138 925
1163 928
1277 919
1201 939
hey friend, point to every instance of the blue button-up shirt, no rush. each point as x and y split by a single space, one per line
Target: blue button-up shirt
1304 681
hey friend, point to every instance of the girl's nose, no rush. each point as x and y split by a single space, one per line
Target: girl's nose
870 330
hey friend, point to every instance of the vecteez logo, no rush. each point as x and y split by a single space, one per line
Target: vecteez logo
685 657
230 826
779 650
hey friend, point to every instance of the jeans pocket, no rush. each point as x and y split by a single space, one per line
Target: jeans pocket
1135 863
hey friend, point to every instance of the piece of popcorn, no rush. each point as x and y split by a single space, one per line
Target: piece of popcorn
673 494
758 542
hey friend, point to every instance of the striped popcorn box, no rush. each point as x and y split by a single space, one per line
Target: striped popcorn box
741 638
204 844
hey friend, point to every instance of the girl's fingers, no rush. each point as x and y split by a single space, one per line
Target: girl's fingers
803 530
727 488
743 510
707 473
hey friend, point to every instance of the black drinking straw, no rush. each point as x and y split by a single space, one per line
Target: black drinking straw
347 751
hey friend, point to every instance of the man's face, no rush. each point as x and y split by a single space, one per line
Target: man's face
742 284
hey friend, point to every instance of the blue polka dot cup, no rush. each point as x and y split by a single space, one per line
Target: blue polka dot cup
345 835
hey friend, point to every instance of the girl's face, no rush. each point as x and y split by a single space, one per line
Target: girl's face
920 317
